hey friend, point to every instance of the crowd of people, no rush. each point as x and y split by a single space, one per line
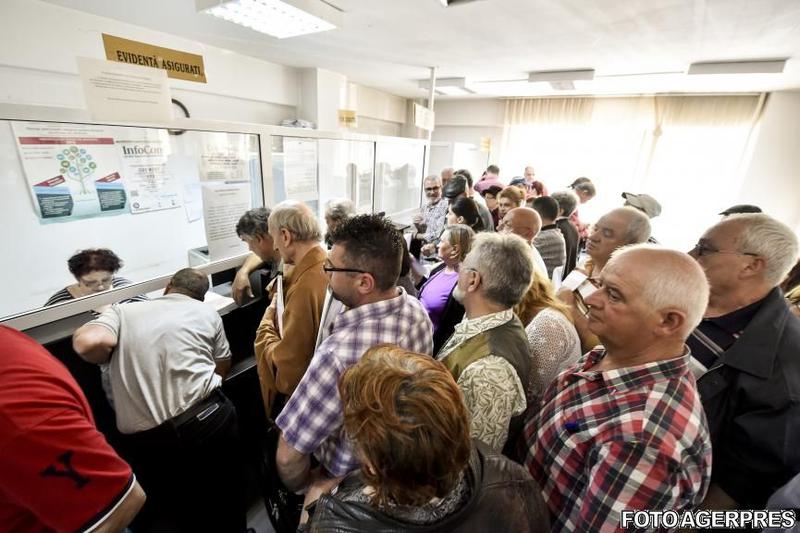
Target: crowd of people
549 374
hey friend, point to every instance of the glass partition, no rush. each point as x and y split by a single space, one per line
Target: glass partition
346 170
160 202
398 178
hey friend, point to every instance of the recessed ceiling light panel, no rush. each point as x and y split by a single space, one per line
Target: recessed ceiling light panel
761 66
279 18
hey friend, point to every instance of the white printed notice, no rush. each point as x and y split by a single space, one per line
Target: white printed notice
224 157
151 184
223 204
119 91
73 170
300 169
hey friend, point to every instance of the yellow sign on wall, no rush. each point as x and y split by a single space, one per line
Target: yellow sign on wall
179 65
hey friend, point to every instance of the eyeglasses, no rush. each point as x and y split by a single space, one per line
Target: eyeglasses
702 249
432 189
92 283
327 267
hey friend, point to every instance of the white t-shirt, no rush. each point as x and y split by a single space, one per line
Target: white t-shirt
165 359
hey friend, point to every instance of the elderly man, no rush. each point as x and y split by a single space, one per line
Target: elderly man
447 175
430 221
363 267
549 241
749 341
617 228
252 229
488 352
567 202
57 472
180 431
624 428
284 345
526 223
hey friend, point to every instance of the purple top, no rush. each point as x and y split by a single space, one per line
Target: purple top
311 421
435 293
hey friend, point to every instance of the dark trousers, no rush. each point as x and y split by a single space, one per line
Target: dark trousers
191 469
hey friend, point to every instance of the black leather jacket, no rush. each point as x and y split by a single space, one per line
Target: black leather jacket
503 497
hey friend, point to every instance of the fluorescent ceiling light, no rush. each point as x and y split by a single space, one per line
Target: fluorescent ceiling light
279 18
759 66
448 86
561 80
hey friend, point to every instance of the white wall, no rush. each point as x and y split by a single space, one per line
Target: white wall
467 121
772 180
39 43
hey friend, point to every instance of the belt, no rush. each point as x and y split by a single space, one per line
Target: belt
200 410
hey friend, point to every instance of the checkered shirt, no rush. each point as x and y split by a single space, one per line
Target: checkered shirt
631 438
311 421
435 216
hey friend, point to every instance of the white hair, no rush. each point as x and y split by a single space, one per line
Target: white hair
505 263
434 178
638 225
296 218
674 280
770 239
339 209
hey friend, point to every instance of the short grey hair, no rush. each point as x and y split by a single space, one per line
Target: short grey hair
296 218
638 227
674 280
768 238
505 263
339 209
434 178
567 201
191 282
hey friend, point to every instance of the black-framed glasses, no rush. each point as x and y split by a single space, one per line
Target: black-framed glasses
702 249
330 268
432 189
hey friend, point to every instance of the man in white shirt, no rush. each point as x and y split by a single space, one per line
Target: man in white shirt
167 357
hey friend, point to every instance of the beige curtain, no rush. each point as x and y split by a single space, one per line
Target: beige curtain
526 111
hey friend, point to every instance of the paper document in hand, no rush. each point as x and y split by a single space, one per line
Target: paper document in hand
279 303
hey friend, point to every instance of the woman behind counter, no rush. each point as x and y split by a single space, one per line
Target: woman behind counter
94 270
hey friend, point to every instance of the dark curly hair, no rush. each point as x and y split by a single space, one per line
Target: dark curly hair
253 223
371 243
92 260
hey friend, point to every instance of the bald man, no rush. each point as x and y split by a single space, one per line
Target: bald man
628 411
526 223
619 227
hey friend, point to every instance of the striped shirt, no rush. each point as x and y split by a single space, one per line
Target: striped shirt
311 421
116 282
628 438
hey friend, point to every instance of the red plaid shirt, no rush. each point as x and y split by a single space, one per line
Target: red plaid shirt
631 438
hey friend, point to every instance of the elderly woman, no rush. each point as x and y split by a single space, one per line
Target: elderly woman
94 270
508 199
552 338
436 294
420 471
337 210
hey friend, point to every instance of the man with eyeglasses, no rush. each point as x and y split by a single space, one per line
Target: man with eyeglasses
362 266
748 344
430 221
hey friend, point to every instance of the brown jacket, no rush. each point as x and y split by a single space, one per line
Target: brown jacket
283 361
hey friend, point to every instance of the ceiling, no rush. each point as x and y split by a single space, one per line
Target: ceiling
635 46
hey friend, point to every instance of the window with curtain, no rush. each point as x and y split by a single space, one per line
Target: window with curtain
689 152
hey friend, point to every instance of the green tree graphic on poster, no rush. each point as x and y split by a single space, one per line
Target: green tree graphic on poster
76 165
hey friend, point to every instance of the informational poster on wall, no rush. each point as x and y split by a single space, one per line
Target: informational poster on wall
223 204
73 170
300 169
151 184
224 158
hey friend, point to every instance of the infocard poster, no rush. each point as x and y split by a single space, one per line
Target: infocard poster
151 184
73 170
